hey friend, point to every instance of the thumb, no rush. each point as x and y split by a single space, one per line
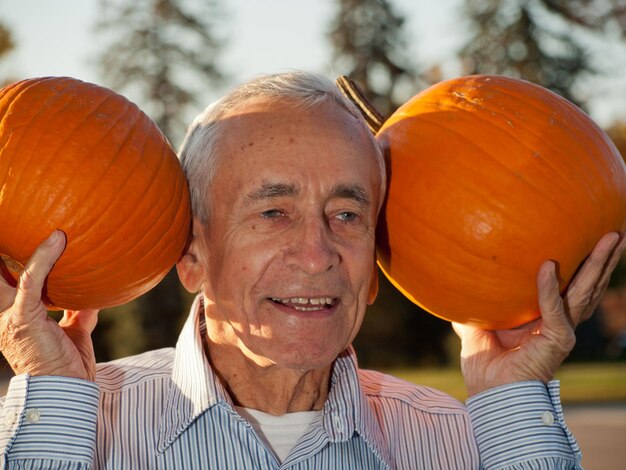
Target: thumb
550 301
31 281
556 325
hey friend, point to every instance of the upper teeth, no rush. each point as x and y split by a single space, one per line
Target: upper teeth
305 300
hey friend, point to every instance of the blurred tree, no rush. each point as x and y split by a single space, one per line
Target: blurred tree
6 46
539 40
370 47
165 53
611 312
608 16
547 42
397 333
617 133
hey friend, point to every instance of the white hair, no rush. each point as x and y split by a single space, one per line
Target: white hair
200 148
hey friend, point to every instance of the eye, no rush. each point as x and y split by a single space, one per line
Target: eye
347 216
272 214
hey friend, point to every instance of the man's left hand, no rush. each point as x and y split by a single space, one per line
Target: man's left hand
536 350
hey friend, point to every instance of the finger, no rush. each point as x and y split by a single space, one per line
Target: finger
32 279
605 278
78 326
589 284
84 320
459 329
7 283
7 295
555 323
473 340
615 255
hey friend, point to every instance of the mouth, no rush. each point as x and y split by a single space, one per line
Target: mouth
307 304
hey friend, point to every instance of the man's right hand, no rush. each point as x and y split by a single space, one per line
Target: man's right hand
32 342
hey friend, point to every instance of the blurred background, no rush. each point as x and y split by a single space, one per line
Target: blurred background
173 57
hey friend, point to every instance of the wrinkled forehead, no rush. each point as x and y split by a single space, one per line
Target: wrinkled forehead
315 148
270 128
290 116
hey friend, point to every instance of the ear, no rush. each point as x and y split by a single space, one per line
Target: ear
373 292
190 267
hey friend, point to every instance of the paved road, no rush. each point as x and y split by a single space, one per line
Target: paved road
601 433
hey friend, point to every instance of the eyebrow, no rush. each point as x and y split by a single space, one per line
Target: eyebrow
271 190
355 192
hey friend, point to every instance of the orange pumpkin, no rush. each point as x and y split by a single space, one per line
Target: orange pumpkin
80 158
489 177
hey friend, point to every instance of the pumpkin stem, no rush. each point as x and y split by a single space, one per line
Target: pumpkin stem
353 92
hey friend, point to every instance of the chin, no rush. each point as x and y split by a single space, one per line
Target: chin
302 359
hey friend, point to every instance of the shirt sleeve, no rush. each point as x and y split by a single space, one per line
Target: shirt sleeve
521 426
48 422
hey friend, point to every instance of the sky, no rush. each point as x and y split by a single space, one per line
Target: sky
56 37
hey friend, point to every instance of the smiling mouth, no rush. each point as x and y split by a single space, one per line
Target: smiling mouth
306 304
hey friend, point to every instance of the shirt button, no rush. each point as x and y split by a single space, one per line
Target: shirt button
337 420
547 418
9 418
33 415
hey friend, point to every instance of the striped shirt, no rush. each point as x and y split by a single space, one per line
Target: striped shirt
166 409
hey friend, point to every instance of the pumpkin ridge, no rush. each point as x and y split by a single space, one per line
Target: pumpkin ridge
158 248
64 165
569 182
564 110
36 145
510 217
160 212
114 201
115 204
559 107
488 178
492 124
122 116
451 291
60 193
137 208
471 142
488 323
180 189
464 248
14 92
554 101
16 104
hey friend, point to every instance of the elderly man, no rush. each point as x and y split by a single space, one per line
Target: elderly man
286 185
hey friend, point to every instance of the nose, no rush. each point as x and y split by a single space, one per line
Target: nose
311 248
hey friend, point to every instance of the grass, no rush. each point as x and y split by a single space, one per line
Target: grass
580 382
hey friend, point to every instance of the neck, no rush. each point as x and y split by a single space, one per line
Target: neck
256 383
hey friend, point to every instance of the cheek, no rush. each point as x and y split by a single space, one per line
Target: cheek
242 268
360 263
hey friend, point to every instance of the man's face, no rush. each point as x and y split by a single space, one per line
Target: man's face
288 251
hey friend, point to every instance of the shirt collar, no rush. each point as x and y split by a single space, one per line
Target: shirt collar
348 411
195 388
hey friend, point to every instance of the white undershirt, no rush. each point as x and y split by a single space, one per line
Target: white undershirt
280 433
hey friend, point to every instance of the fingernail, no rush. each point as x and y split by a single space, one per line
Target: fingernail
552 272
53 238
